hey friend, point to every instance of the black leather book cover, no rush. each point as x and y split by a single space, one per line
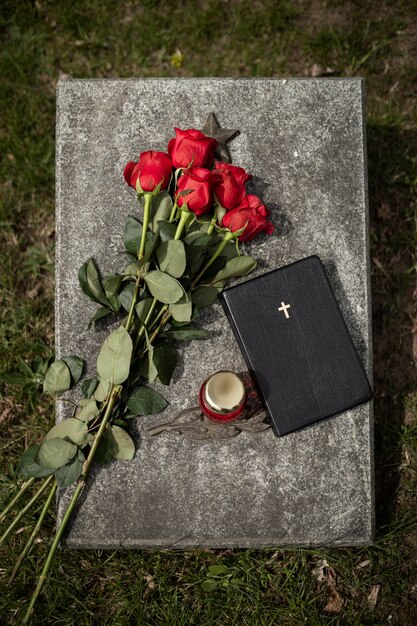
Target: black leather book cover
296 344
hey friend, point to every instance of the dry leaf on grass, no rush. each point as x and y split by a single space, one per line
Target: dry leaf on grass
335 602
319 570
373 596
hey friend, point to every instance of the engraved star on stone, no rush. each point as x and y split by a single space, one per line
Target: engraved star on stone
222 135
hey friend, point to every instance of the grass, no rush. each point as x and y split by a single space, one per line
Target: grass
44 40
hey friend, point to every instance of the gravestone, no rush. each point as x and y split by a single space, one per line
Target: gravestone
304 142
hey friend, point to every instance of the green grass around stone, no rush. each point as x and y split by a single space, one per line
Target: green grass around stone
43 41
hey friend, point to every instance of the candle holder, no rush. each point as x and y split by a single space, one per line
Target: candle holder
228 405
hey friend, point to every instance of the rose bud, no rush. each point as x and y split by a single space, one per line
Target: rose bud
200 183
153 169
191 148
251 214
230 191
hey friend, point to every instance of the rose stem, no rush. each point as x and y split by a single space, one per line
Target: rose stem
113 397
146 213
35 531
185 217
16 498
146 322
25 509
227 237
173 211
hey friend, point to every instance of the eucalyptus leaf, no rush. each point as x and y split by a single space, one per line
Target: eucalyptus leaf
151 371
98 315
88 387
187 333
90 283
113 361
146 401
29 467
235 267
88 411
165 358
164 287
171 257
71 471
75 365
70 428
182 311
54 453
166 230
57 379
132 235
125 448
161 208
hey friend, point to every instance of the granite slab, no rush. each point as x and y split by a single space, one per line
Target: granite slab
304 142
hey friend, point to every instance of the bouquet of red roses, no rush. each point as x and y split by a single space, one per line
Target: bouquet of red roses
181 253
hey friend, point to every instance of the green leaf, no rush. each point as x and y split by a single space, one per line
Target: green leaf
163 287
111 284
235 267
166 230
54 453
87 411
152 372
205 296
165 359
217 570
209 585
57 379
142 308
102 391
187 333
171 257
146 401
182 311
106 448
124 448
75 365
70 472
113 361
71 429
98 315
88 387
29 467
161 208
90 283
132 235
126 296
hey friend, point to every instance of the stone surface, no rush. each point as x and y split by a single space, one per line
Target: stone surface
303 140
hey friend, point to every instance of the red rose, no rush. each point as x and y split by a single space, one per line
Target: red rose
252 213
200 181
153 168
191 148
231 189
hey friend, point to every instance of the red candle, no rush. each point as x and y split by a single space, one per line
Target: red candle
223 397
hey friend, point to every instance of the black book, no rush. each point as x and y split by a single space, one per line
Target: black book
296 344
